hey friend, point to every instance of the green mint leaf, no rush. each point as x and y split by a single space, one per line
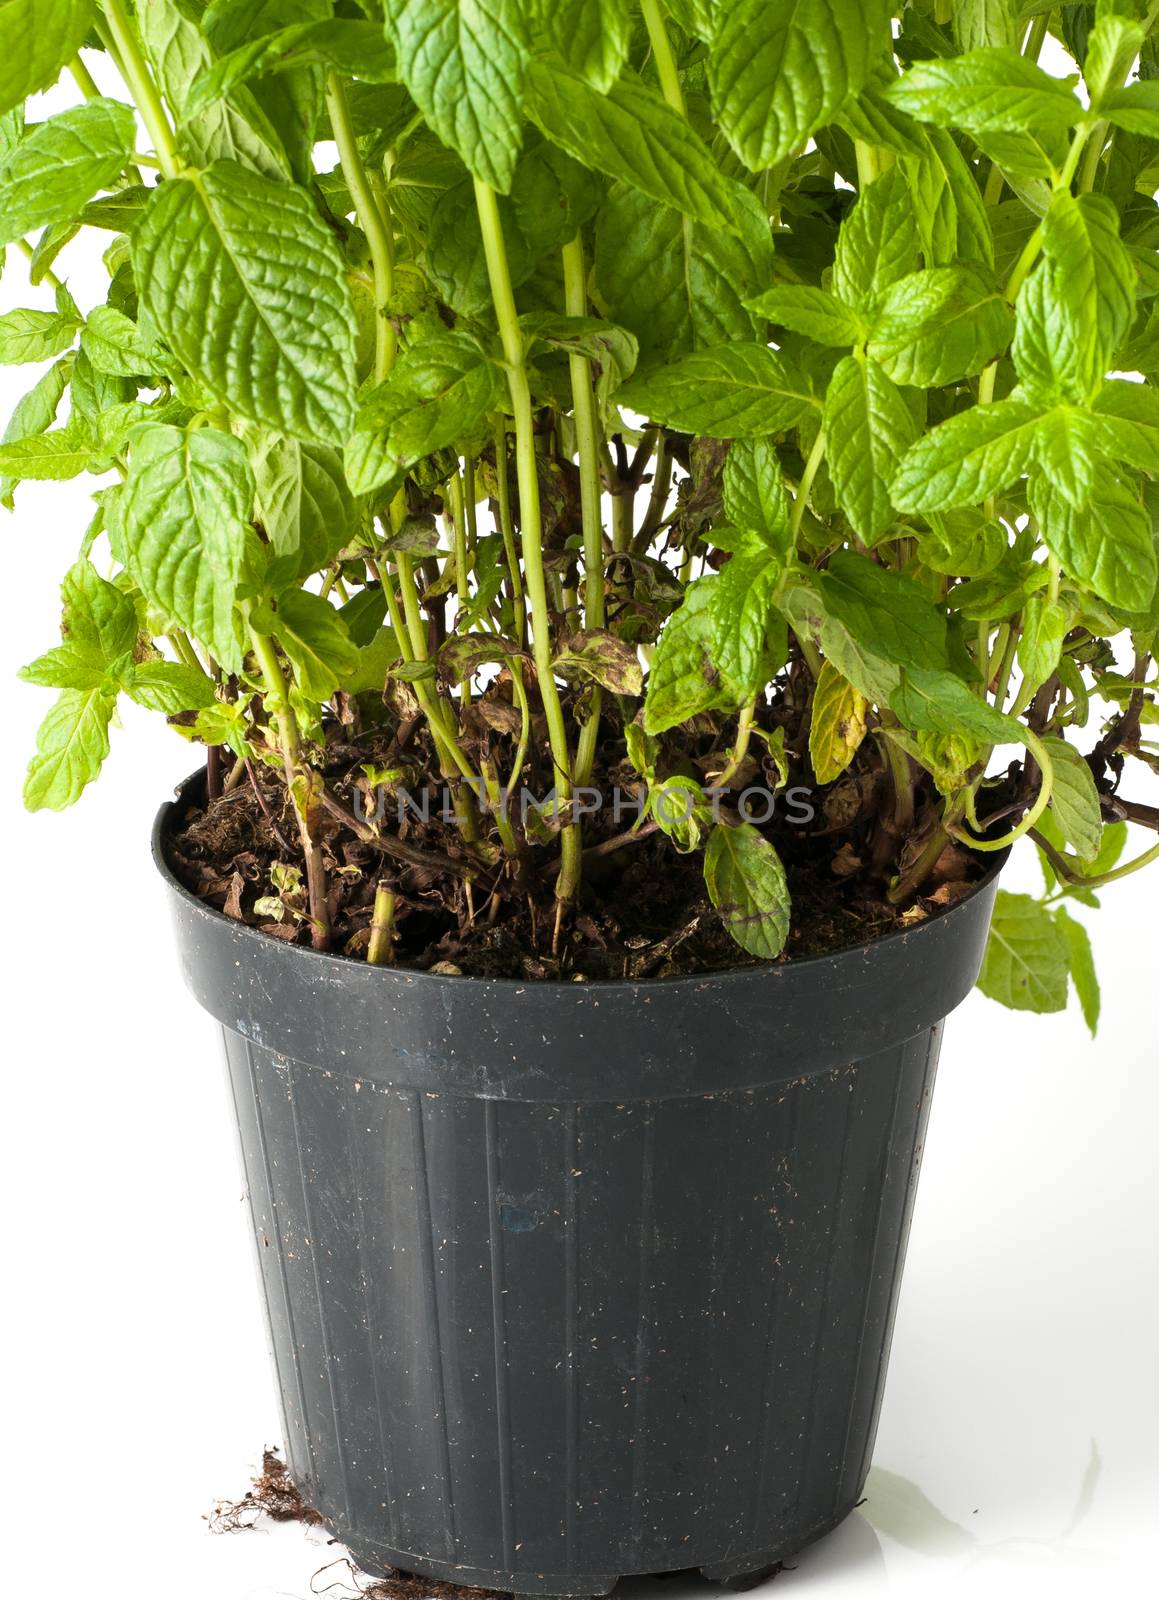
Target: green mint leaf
805 607
440 391
1045 624
1036 158
592 35
71 746
837 724
466 67
99 630
755 499
685 678
234 130
1075 309
616 350
746 883
950 215
552 197
678 284
358 49
63 453
243 281
61 164
303 505
34 336
97 613
679 806
632 134
939 702
1067 450
38 38
1027 956
879 242
1074 799
736 391
115 344
314 638
292 100
1109 546
1125 424
983 24
985 91
963 544
868 427
747 637
168 687
34 414
968 458
813 312
1112 45
1081 961
884 611
118 212
777 73
182 529
940 326
1135 108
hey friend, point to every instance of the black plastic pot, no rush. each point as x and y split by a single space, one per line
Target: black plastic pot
566 1282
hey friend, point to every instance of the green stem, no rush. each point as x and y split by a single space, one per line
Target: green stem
519 689
588 446
144 91
1030 253
84 79
298 778
623 518
470 497
911 880
812 466
740 749
411 636
507 529
372 222
503 297
462 560
662 55
1045 788
1065 871
1094 153
657 498
47 276
380 952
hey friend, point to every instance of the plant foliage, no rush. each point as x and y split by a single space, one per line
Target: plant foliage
688 389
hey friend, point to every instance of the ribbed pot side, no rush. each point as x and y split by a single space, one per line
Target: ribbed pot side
567 1282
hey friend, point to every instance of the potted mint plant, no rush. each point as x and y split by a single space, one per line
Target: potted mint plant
639 507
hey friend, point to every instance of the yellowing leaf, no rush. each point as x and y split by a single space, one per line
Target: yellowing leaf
837 726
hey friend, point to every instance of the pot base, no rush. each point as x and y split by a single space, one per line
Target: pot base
737 1573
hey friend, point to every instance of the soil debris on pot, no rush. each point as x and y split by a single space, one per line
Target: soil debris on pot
274 1495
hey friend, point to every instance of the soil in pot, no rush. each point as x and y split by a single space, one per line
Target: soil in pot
644 911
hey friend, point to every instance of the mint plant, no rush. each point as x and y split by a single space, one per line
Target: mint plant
665 394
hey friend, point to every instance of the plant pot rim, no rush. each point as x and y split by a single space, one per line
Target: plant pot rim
186 792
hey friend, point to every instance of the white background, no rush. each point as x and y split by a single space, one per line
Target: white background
1017 1451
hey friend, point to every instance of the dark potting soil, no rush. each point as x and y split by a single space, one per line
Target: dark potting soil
643 912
